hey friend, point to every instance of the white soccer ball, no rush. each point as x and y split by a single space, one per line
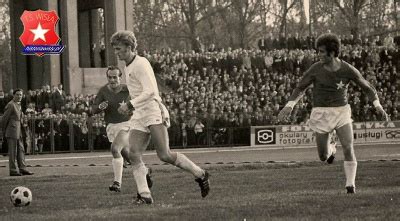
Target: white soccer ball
21 196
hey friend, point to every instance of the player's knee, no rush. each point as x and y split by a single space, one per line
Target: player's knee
134 158
125 153
165 157
348 150
115 151
136 165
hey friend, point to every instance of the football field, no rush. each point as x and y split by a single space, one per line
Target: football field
246 184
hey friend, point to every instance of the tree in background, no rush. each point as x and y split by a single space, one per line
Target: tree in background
284 7
240 23
246 12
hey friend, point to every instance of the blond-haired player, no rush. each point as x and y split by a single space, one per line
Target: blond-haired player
109 98
150 117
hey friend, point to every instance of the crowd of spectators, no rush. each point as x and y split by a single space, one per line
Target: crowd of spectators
53 113
215 95
241 87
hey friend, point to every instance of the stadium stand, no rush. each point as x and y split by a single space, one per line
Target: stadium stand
215 96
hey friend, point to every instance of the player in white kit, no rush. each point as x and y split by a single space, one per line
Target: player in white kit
108 99
150 118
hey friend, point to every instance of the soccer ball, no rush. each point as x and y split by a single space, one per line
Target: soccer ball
21 196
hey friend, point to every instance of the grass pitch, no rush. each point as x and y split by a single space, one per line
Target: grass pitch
262 191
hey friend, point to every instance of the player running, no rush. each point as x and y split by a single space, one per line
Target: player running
331 111
150 117
108 99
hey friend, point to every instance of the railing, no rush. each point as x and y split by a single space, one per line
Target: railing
47 135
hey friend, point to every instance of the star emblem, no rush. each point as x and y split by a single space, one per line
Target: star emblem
340 85
122 103
39 32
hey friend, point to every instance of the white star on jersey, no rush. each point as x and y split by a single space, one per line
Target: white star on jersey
39 32
340 85
122 103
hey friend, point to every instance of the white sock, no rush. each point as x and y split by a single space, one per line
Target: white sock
118 164
350 169
140 172
184 163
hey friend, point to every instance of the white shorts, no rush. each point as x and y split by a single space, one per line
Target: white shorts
326 119
113 130
151 113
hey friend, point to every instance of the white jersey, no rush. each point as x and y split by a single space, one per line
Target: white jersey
141 82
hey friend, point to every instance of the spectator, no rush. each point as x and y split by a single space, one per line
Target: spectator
47 110
212 48
11 127
2 102
184 135
199 132
58 98
102 54
27 137
197 45
377 41
30 109
388 41
269 42
396 40
262 44
61 132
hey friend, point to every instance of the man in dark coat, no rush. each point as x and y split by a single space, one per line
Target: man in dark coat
11 125
58 98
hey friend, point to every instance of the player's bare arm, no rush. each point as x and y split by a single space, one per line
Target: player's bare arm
297 93
371 92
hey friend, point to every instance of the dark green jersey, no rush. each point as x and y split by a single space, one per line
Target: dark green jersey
330 87
111 114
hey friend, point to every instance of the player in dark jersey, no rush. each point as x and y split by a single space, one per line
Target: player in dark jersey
331 111
109 98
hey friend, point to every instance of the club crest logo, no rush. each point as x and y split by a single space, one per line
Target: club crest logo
39 36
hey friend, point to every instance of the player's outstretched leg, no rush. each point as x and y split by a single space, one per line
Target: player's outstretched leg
159 134
204 184
202 176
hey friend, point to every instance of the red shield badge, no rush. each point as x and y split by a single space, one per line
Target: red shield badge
39 36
